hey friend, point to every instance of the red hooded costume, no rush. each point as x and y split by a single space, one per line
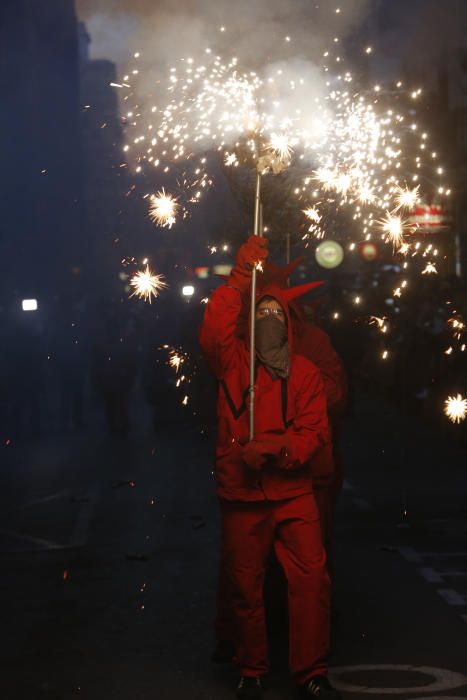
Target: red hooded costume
273 506
293 409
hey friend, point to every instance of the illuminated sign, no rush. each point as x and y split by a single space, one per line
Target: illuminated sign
329 254
430 218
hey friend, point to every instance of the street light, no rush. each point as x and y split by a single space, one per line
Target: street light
29 304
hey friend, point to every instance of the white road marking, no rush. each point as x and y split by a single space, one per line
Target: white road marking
430 575
37 541
451 597
443 679
45 499
411 555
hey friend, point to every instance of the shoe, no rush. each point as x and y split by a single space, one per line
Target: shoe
224 652
320 687
250 688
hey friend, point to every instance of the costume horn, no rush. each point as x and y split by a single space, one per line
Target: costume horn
291 293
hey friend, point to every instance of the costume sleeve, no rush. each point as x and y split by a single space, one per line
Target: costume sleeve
218 337
310 428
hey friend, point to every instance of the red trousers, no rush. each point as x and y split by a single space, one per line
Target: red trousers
250 532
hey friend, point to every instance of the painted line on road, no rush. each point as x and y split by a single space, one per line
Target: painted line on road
411 555
430 575
38 541
451 596
46 499
443 679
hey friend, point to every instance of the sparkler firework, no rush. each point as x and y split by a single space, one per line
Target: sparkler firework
455 408
354 154
147 285
163 209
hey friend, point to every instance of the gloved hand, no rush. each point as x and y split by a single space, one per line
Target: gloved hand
252 456
252 252
273 448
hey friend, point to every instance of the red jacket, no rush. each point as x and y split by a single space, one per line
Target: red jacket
296 406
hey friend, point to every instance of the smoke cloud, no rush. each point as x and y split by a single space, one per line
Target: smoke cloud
255 30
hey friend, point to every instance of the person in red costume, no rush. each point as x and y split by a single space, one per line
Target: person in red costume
264 485
314 344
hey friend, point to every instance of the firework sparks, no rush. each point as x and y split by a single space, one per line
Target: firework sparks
281 146
394 227
430 269
380 322
147 285
230 159
312 214
455 408
366 194
175 359
163 209
406 197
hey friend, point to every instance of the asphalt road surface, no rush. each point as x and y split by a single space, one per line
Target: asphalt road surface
110 550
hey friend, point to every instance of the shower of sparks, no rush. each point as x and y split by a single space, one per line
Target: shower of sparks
457 325
394 227
312 214
406 197
147 285
163 209
281 146
175 359
368 154
366 194
230 159
352 155
430 269
455 408
380 322
404 249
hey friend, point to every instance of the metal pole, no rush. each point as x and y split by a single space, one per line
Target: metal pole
256 232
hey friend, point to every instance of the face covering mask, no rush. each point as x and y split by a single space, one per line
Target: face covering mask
272 347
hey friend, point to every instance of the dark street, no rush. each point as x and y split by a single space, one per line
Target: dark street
110 549
233 342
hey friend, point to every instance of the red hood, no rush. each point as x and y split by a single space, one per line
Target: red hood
285 297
